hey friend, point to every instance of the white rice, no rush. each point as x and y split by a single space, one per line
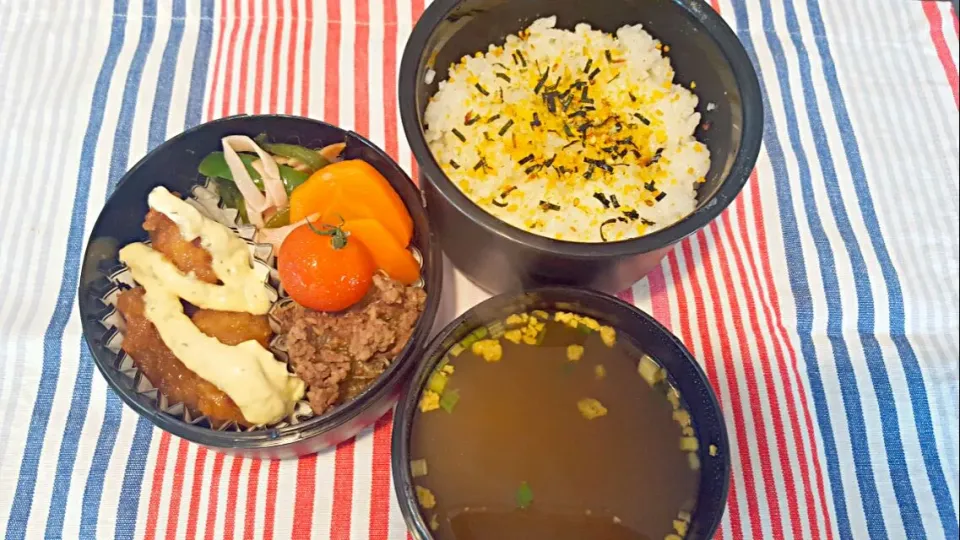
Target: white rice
550 189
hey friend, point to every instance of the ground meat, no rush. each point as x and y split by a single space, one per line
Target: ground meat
339 354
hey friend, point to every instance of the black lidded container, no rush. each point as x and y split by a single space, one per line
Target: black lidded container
500 257
683 372
174 165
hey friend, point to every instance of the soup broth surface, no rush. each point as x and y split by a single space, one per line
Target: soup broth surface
516 458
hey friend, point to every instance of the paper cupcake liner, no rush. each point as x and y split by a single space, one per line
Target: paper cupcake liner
119 278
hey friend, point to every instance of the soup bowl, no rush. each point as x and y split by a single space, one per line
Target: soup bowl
500 257
173 165
682 372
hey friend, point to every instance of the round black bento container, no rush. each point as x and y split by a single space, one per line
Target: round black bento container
174 165
500 257
683 372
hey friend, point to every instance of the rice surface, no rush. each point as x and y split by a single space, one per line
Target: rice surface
575 135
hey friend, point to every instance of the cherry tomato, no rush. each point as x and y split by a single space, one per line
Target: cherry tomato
323 269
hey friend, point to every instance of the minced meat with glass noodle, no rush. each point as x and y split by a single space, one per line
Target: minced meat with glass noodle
338 355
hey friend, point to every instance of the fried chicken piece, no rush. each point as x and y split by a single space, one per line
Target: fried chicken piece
142 342
187 256
233 327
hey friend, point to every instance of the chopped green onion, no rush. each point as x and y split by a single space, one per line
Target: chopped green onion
506 127
449 400
524 496
503 76
526 160
454 164
459 135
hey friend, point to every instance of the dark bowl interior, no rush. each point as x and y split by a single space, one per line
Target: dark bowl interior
684 372
174 165
702 49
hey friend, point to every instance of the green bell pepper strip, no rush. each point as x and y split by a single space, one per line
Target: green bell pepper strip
215 166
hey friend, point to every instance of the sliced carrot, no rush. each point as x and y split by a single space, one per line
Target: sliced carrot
353 189
387 253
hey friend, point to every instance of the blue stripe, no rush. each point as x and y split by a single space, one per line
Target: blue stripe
53 336
137 461
108 434
201 62
799 283
873 510
915 384
80 401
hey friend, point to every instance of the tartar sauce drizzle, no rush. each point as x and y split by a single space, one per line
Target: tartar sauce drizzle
256 381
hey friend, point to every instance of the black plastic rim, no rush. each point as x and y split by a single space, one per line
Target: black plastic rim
706 210
714 490
271 438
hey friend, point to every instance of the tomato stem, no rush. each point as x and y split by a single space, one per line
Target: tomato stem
338 237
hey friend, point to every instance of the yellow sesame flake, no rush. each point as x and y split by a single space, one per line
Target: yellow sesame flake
576 201
690 170
693 84
591 408
512 208
701 180
608 335
641 229
574 352
599 372
658 46
698 148
666 48
429 401
426 497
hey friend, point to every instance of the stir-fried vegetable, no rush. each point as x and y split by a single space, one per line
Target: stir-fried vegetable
232 197
215 166
309 158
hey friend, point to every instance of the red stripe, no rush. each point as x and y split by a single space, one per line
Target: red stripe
627 296
228 71
932 12
760 333
230 519
195 491
659 302
173 513
711 369
303 505
331 90
390 123
305 68
277 54
270 511
416 9
216 63
754 392
150 531
261 55
292 48
341 511
380 479
753 399
245 60
956 21
250 513
761 246
361 68
214 498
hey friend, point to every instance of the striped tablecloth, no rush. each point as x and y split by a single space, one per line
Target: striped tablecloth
823 304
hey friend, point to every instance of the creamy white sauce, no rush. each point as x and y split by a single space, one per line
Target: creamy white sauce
256 381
